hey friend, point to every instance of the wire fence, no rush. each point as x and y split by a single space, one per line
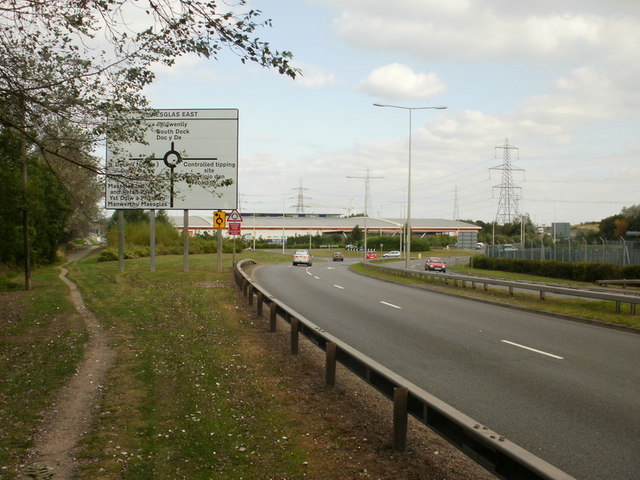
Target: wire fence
617 253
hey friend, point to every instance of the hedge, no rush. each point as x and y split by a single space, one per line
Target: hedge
581 271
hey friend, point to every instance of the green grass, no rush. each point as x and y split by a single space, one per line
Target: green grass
191 394
186 398
601 311
41 342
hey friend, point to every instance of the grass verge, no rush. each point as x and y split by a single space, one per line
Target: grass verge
600 311
187 398
41 342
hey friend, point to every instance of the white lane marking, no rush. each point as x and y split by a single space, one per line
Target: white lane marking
533 350
389 304
339 286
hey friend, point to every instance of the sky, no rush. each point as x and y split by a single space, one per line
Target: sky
555 81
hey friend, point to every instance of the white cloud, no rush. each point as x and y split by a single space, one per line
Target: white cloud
313 77
485 30
399 82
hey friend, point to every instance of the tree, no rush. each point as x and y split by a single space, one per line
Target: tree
50 207
356 235
74 72
85 64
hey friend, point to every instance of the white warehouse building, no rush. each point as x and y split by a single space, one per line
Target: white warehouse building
273 227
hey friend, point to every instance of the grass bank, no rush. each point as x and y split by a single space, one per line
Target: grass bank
187 398
41 341
601 311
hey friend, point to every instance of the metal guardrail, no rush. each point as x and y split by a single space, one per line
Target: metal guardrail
623 282
542 288
492 451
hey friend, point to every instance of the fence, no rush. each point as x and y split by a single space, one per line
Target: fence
489 449
617 253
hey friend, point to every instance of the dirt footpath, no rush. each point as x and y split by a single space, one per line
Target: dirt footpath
72 414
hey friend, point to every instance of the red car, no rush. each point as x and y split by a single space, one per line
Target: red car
436 264
372 255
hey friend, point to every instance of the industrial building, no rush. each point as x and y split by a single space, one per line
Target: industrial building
273 227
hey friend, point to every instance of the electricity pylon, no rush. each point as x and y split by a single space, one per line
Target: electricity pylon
508 209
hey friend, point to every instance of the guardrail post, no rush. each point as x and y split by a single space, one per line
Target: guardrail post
542 296
330 364
633 306
272 316
511 291
400 418
294 336
617 306
250 294
486 287
259 303
245 285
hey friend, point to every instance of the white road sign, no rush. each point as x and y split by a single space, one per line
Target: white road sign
198 141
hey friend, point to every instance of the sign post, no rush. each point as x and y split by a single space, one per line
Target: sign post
193 158
235 223
200 143
219 222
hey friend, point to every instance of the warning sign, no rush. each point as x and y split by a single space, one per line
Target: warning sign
235 216
219 219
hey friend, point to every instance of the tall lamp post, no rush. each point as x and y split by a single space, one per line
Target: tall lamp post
408 234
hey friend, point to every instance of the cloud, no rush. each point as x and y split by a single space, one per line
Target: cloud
399 82
313 77
492 29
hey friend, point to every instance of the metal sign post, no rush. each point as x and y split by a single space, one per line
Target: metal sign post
219 222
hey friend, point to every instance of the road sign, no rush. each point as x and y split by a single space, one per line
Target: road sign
235 228
235 216
219 219
202 143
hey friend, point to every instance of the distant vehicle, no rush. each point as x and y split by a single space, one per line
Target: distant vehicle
435 264
372 255
338 257
392 254
302 256
351 247
480 246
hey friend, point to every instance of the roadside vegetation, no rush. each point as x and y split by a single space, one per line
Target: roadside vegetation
192 394
41 341
187 398
600 311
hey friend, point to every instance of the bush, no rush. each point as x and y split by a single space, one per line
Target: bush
108 255
582 272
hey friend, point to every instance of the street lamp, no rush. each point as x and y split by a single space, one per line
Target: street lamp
408 234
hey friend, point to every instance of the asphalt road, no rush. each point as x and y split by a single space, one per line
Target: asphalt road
567 392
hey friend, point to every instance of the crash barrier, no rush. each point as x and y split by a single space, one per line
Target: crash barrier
542 288
489 449
624 282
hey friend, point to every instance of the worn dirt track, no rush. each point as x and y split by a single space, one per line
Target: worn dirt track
72 414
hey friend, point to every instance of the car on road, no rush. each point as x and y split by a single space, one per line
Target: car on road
436 264
392 254
372 255
302 257
338 257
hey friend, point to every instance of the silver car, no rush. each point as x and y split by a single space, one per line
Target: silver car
302 256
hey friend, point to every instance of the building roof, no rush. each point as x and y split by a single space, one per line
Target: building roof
329 224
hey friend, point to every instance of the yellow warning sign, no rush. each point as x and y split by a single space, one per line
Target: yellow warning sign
219 219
